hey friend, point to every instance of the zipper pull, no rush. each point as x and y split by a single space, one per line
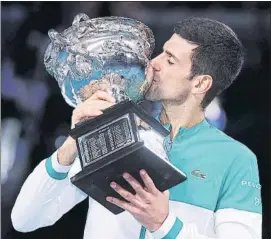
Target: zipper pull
167 144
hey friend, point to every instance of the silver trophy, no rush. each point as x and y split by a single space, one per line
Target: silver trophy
110 54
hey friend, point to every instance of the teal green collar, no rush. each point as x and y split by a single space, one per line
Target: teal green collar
184 130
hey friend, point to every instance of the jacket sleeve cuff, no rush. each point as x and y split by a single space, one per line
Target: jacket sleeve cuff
56 170
170 228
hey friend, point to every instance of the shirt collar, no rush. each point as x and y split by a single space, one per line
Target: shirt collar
184 131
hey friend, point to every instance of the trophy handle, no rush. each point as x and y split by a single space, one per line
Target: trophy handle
77 19
56 38
79 27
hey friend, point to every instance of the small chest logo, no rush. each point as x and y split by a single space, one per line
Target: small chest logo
197 173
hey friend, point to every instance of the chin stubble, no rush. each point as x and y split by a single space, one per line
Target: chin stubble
153 93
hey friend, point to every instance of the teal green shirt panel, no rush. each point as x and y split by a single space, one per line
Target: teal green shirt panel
203 167
209 158
241 188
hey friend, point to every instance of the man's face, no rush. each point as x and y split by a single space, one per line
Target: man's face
171 70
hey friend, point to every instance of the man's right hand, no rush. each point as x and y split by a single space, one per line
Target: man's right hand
90 108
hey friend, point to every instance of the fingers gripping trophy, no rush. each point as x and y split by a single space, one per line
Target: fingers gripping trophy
110 54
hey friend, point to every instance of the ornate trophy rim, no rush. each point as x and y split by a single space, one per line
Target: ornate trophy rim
59 38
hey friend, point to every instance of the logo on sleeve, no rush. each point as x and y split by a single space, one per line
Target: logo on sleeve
257 201
251 184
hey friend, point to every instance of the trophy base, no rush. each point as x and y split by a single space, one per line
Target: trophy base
117 144
95 180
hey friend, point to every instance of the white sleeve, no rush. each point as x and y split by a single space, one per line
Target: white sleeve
46 195
229 223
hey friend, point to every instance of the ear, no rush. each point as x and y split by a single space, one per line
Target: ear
201 84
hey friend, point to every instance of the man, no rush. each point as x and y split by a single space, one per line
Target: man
221 196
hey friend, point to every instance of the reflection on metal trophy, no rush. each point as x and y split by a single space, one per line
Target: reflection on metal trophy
110 54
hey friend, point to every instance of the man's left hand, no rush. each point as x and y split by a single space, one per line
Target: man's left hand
149 206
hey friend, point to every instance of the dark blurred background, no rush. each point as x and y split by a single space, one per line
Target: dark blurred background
35 117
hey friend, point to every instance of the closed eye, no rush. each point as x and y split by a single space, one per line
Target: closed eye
169 62
172 58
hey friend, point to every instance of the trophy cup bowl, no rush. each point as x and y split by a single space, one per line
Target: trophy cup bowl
111 53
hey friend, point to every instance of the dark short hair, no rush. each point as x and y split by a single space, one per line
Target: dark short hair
220 53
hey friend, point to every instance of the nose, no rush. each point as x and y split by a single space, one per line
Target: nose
155 63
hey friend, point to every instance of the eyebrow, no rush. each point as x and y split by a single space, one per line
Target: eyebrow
169 53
